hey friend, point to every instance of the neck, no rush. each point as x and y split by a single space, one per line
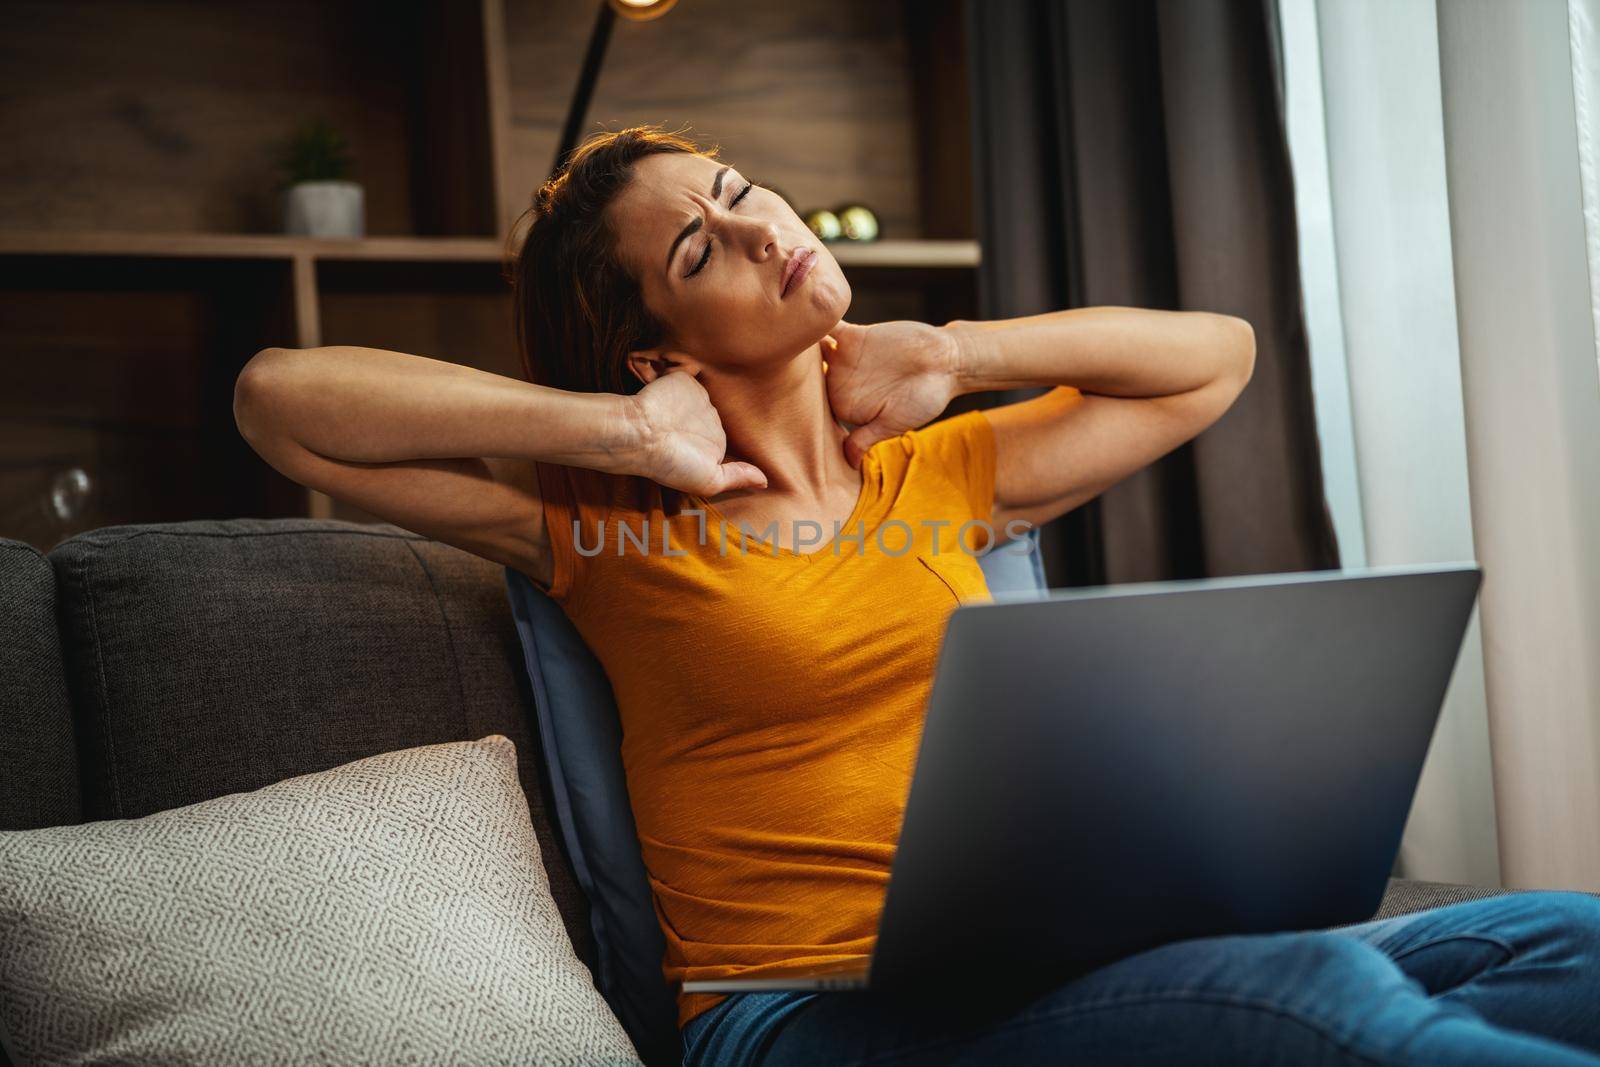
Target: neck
779 419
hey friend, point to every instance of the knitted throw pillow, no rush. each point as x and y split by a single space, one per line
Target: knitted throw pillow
392 910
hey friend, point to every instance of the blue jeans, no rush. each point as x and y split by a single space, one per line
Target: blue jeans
1511 979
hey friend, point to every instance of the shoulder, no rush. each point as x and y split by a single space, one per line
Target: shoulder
580 505
952 457
953 434
954 444
590 495
574 499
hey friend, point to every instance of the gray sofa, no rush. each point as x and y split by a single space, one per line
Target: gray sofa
149 667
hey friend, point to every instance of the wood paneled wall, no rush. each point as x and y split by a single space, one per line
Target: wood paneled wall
812 96
168 115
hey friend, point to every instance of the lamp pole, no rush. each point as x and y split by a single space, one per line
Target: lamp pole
592 59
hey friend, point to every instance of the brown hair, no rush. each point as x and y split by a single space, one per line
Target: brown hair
578 311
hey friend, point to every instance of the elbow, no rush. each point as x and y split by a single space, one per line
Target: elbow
253 390
1241 349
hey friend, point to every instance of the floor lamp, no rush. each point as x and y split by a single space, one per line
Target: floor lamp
633 10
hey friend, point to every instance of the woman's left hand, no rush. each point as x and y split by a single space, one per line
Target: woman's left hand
888 377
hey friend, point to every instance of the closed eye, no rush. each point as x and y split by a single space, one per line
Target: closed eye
706 255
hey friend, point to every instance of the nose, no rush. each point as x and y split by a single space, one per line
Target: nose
756 237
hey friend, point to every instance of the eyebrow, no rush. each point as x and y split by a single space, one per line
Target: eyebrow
699 220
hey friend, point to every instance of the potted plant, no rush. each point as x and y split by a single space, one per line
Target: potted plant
318 198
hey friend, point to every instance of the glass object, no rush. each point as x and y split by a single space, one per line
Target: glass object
825 224
69 494
858 222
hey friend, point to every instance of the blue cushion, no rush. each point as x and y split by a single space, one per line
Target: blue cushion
1015 569
581 738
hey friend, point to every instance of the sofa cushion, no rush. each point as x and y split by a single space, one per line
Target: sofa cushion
1403 896
390 910
581 738
580 743
213 657
38 764
1015 568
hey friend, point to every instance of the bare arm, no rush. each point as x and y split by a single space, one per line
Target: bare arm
448 451
1133 384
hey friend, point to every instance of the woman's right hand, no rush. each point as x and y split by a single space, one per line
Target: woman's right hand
683 444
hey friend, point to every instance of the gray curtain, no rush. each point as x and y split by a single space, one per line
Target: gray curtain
1133 152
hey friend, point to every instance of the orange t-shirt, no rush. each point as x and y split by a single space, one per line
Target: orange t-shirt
772 701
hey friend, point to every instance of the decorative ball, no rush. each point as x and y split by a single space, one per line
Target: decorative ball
825 224
858 222
70 493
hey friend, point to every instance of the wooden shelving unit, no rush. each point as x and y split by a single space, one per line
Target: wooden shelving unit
931 254
136 279
245 246
921 254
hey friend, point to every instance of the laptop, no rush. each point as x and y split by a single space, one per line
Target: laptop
1103 771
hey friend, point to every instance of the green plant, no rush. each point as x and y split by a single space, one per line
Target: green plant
316 152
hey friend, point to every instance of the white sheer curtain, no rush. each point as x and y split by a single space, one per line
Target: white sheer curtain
1519 89
1450 205
1367 144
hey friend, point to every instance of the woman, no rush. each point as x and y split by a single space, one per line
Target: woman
766 588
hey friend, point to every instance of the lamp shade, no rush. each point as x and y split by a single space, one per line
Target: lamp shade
641 10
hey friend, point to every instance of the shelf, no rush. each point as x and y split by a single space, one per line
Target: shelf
123 366
247 246
904 253
914 254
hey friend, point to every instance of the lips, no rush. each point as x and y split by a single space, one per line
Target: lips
795 270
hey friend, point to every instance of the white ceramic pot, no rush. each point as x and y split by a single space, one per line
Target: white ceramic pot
324 209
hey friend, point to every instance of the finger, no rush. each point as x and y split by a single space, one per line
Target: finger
736 474
862 438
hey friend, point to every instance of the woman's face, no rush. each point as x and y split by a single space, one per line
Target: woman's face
709 250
